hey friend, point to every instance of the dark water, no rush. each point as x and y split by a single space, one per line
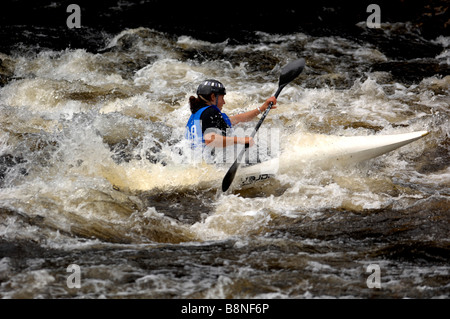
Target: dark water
92 122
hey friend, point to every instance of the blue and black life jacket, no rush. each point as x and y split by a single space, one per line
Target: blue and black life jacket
194 127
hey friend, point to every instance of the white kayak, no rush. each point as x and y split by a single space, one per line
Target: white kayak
325 151
301 151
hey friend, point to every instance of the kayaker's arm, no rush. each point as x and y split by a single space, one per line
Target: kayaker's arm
217 140
250 115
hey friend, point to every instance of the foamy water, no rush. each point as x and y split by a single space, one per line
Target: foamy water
93 174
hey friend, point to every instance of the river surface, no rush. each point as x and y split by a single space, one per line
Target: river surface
90 173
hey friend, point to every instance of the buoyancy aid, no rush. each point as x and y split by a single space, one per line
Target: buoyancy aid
194 127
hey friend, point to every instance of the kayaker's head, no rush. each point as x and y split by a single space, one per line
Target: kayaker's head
209 92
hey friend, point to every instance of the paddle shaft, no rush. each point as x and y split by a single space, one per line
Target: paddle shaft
288 74
261 120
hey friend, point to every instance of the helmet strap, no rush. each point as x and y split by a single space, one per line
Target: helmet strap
216 95
203 99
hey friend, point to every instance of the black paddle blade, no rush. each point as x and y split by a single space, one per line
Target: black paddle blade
229 177
290 71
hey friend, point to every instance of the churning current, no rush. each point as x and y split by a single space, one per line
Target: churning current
90 173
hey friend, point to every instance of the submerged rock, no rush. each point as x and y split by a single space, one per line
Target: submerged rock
7 65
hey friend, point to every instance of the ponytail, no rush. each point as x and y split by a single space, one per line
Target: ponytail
197 103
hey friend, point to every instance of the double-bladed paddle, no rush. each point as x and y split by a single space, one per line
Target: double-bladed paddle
288 73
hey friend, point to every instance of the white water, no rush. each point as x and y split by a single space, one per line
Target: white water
83 125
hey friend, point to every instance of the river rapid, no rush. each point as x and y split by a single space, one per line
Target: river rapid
90 150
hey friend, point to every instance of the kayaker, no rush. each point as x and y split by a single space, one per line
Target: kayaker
208 125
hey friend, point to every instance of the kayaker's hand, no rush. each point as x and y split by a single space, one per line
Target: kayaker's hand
272 99
248 141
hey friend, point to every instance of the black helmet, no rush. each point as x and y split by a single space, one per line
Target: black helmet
211 86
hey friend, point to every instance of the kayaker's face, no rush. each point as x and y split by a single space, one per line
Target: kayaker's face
220 102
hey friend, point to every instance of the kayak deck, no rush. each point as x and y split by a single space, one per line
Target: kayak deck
326 151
